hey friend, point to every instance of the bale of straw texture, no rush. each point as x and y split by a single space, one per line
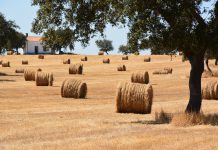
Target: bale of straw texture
29 75
106 61
72 88
169 70
66 61
134 98
6 64
39 69
140 77
24 62
161 72
0 62
121 68
84 59
10 52
76 69
19 71
41 56
210 91
125 58
147 59
44 79
100 53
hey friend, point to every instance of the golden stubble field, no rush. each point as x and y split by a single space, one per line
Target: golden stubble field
38 118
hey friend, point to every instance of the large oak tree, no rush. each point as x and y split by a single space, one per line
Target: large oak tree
155 24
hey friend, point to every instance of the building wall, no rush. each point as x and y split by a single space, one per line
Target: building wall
30 48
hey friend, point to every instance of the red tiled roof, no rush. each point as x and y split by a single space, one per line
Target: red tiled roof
34 38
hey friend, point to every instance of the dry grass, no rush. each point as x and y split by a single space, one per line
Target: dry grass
38 118
162 117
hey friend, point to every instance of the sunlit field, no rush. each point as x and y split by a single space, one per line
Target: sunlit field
33 117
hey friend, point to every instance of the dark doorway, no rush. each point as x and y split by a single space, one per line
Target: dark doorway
36 49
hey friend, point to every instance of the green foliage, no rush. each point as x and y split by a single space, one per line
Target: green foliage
9 37
162 52
104 45
125 49
57 39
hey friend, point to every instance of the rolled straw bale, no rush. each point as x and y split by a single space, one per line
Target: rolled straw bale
147 59
125 58
76 69
134 98
140 77
29 75
210 91
0 62
6 64
41 56
106 61
39 69
10 52
121 68
84 59
44 79
161 72
72 88
19 71
66 61
24 62
169 70
100 53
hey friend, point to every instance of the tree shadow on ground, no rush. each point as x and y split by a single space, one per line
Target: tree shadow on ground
5 74
7 80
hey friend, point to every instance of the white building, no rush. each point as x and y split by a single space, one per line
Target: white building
34 46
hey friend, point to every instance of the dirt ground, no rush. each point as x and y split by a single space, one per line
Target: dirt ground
39 118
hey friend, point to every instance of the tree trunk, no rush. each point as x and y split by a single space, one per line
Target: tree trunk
197 68
216 62
207 64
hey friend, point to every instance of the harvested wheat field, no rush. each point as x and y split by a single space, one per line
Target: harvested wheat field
38 118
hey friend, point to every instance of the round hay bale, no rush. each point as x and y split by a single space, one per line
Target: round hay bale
44 79
134 98
66 61
84 59
210 91
6 64
29 75
140 77
76 69
24 62
147 59
19 71
100 53
0 62
72 88
106 61
41 56
121 68
169 70
39 69
125 58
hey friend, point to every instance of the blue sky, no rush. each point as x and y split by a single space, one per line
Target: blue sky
23 14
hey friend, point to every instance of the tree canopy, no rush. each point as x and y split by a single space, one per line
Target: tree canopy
155 24
9 37
104 45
